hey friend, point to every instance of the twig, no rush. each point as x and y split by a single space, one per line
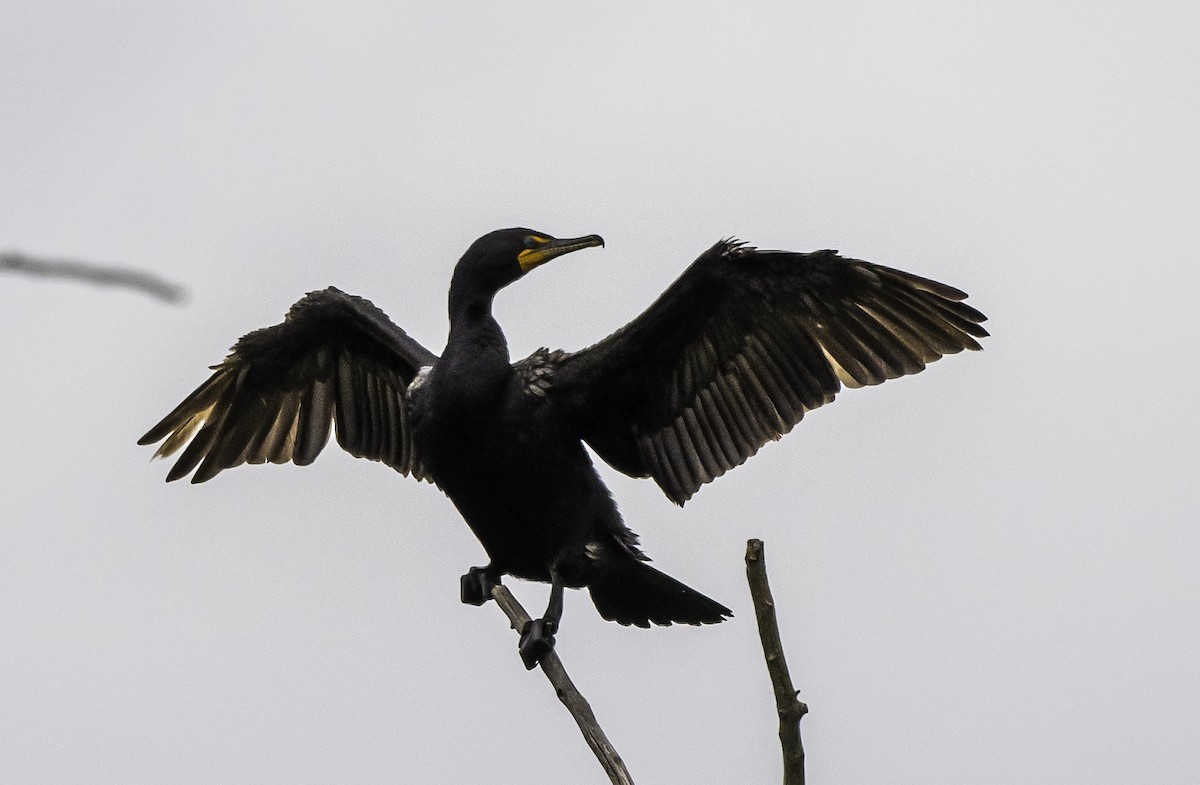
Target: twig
570 697
93 273
787 704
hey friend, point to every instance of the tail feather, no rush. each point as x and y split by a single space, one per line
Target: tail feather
633 592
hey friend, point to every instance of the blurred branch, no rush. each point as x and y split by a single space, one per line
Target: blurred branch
569 695
93 273
787 702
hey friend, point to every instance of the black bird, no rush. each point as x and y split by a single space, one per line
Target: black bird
732 354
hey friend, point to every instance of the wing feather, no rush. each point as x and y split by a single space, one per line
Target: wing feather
283 431
335 364
741 347
348 411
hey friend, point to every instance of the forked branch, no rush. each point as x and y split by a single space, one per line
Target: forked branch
788 706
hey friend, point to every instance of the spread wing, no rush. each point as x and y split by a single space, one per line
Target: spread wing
741 346
336 358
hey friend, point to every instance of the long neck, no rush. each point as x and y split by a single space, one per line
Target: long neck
475 335
469 299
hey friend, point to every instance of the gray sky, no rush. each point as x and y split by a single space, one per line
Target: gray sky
987 573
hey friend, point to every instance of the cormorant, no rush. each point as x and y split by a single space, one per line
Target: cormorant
732 354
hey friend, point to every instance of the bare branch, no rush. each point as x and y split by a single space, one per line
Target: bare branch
93 273
569 695
787 704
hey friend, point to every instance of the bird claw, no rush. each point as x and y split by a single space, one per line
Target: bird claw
537 640
475 588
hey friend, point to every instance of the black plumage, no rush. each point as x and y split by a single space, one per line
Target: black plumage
733 354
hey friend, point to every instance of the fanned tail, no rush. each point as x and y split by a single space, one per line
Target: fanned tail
633 592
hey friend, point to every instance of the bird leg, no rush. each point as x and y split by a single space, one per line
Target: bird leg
537 637
475 588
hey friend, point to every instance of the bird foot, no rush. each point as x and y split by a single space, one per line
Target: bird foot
537 640
475 588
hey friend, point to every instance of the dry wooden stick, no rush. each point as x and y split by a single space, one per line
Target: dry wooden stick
569 695
787 704
92 273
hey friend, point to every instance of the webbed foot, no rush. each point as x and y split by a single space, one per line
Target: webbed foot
537 640
475 588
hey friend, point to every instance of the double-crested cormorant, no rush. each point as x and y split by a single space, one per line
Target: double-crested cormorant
731 355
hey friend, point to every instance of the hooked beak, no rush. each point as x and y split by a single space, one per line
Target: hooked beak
533 257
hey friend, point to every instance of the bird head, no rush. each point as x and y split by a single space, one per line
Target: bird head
501 257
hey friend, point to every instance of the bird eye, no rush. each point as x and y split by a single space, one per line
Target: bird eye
530 242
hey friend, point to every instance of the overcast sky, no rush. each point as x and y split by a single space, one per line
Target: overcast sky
986 573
